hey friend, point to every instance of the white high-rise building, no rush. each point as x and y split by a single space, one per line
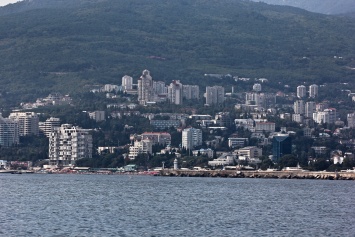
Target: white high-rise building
313 91
257 87
67 144
301 91
127 82
214 95
159 87
175 92
310 108
191 92
351 120
49 125
27 122
9 134
145 88
327 116
191 137
298 107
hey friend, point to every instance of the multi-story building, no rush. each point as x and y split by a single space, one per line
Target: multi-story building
164 124
351 120
326 116
27 122
214 95
234 142
162 138
223 119
159 87
191 92
140 147
9 134
265 126
98 115
49 125
310 108
250 152
67 144
127 82
313 91
281 145
175 92
301 91
298 107
257 87
191 137
145 88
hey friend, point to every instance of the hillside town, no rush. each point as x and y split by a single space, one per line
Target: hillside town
251 129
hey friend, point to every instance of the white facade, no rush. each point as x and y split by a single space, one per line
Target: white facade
327 116
265 126
140 147
175 93
191 137
310 108
159 87
250 152
257 87
299 107
191 92
27 122
97 115
9 134
237 142
351 120
313 91
145 88
127 82
301 92
162 138
49 125
67 144
214 95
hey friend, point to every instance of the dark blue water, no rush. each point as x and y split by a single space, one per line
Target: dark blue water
107 205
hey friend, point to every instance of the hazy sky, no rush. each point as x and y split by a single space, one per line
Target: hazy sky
5 2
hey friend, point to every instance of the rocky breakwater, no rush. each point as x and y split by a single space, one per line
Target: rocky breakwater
261 174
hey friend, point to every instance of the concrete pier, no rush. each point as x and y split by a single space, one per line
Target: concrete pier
260 174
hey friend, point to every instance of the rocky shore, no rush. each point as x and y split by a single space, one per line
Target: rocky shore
261 174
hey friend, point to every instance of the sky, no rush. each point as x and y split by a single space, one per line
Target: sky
5 2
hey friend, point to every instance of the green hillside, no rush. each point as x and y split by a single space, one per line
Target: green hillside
64 48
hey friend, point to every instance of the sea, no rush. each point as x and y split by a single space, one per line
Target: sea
134 205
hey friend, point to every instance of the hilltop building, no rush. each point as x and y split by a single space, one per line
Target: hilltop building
313 91
127 83
301 92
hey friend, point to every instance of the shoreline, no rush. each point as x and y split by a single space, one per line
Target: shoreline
261 174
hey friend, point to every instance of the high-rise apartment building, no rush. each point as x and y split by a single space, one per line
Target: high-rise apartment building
145 88
159 87
257 87
326 116
67 144
351 120
140 147
191 137
298 107
27 122
191 92
310 108
301 91
9 134
175 92
214 95
49 125
127 82
313 91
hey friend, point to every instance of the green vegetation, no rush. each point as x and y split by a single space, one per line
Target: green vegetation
63 47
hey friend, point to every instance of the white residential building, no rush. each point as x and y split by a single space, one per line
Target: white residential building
191 137
145 88
27 122
159 87
214 95
191 92
127 82
257 87
310 108
97 115
313 91
301 91
140 147
67 144
234 142
9 134
249 152
327 116
49 125
265 126
175 92
298 107
351 120
162 138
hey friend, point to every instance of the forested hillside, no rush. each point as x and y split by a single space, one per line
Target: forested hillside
64 46
320 6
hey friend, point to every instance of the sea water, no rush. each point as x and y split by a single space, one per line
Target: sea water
123 205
